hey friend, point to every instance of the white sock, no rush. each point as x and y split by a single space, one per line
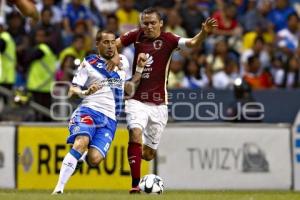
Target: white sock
67 169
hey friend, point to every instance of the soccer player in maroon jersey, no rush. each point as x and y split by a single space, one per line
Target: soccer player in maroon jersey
146 110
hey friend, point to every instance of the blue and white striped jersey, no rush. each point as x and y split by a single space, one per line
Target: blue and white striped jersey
109 99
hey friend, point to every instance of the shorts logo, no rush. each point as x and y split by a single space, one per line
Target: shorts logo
157 44
76 129
108 136
87 119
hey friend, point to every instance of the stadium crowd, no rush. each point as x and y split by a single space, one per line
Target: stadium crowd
257 40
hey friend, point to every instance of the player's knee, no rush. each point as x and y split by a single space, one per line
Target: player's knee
94 161
80 144
135 135
148 155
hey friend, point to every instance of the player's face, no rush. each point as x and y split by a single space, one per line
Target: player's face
151 25
107 45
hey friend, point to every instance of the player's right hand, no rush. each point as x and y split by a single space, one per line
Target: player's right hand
142 60
92 89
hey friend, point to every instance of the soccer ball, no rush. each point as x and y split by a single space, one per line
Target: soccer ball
152 183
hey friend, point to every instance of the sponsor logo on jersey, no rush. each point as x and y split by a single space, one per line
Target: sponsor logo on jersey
157 44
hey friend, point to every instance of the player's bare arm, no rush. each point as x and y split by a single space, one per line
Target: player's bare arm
76 91
130 86
27 8
207 27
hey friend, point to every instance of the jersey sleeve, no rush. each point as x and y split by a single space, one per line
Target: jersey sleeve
129 37
173 40
81 75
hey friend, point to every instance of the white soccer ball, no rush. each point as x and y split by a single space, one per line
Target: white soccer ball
152 184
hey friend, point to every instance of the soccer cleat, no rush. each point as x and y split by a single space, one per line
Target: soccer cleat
135 190
78 166
57 192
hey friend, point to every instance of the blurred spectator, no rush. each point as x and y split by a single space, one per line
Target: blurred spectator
81 28
244 108
227 21
106 6
42 65
192 18
255 15
277 70
56 16
255 76
290 76
262 29
195 76
8 58
53 29
174 24
66 69
75 11
288 38
16 28
112 24
127 15
259 49
176 73
216 60
224 79
76 49
279 14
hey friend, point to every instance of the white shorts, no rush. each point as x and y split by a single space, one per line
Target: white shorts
150 118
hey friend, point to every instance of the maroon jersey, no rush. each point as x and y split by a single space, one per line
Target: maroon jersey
153 86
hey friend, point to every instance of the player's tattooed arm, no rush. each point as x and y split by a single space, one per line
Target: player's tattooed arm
207 27
130 86
75 91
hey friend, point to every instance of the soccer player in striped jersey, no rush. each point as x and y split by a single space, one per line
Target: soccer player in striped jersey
94 122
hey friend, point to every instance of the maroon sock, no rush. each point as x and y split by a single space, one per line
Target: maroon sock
134 153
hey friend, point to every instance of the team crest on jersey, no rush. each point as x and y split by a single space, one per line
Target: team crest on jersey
157 44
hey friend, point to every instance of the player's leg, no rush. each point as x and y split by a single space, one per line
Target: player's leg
70 161
158 117
134 153
137 118
101 142
81 130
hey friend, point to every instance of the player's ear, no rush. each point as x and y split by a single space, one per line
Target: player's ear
161 23
97 43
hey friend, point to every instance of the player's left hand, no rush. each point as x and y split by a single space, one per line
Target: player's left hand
92 89
209 25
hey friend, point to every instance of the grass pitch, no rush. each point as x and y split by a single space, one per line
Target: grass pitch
174 195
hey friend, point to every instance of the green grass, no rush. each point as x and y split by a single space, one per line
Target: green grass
174 195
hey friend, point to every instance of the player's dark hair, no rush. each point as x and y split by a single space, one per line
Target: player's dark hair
100 33
150 11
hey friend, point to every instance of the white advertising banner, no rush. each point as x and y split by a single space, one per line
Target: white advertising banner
7 157
226 157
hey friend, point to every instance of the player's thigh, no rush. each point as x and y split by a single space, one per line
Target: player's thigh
82 129
103 138
155 127
136 115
